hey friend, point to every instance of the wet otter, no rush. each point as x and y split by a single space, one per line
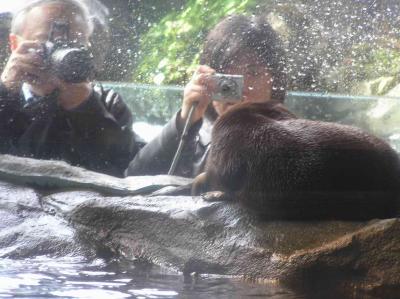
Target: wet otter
288 168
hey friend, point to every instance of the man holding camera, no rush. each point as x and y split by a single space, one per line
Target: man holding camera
49 109
238 47
156 156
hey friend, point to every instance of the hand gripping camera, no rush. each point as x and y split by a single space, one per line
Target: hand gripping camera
68 60
228 88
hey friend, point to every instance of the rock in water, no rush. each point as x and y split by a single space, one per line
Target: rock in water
192 235
61 175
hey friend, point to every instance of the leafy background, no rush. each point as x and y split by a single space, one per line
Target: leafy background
179 36
345 46
336 46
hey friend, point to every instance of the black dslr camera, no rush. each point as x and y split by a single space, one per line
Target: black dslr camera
68 60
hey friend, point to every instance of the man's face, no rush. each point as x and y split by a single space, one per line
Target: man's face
36 27
257 81
39 20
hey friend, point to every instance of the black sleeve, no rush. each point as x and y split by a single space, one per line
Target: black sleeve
102 130
11 122
156 157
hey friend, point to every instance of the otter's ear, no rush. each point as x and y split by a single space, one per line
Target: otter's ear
283 112
200 184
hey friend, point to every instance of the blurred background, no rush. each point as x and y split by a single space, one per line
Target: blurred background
344 46
147 50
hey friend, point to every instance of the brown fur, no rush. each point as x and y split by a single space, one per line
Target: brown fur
288 168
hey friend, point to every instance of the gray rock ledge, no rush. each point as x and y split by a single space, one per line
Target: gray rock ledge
85 212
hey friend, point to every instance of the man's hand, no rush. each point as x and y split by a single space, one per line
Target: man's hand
25 64
199 90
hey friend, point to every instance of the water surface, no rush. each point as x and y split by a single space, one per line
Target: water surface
73 277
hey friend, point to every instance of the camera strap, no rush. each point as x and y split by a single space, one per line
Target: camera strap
182 140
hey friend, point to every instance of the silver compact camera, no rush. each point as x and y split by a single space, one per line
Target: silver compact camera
227 87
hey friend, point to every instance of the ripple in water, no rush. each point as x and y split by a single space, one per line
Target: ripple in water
75 277
44 277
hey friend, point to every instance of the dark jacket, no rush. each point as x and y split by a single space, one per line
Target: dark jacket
96 135
156 157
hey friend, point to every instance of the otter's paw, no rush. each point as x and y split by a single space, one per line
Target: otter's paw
215 196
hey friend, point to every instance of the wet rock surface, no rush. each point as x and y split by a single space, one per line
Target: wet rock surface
59 175
186 233
27 230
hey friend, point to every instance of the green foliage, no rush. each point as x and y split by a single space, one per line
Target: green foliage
170 50
376 62
369 69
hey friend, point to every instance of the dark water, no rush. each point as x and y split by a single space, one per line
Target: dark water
44 277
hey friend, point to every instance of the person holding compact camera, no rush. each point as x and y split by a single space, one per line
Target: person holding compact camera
242 60
49 108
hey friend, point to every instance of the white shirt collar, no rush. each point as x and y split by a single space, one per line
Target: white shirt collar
26 92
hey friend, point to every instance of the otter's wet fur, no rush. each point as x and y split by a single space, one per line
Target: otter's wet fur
283 167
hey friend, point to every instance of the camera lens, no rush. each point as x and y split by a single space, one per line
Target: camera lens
72 65
227 87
